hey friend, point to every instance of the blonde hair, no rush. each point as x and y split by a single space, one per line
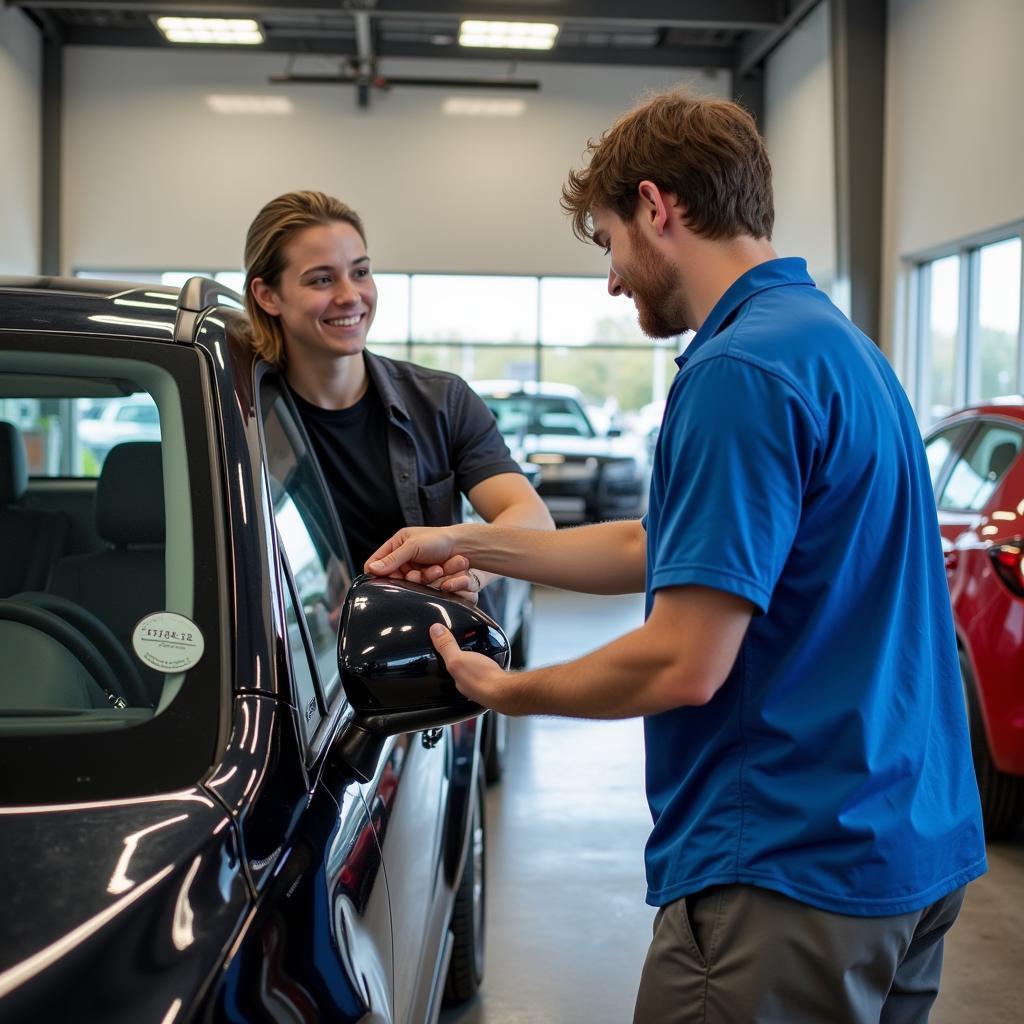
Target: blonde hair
268 235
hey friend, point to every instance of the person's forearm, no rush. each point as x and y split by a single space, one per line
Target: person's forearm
529 515
606 558
624 679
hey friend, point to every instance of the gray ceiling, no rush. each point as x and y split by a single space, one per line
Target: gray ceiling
731 34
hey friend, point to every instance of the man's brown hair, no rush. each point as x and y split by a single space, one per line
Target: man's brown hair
274 227
706 152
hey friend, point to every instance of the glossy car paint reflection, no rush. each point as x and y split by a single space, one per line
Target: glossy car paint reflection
154 885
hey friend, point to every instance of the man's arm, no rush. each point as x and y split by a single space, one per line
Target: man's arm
681 656
606 558
506 498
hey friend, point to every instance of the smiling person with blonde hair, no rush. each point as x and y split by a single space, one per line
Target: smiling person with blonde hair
399 444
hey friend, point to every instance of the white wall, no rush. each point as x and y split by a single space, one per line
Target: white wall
798 128
154 179
20 132
954 132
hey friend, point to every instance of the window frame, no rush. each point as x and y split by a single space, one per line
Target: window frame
916 321
331 710
956 455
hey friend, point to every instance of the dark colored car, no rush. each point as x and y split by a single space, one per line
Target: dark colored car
978 475
586 476
237 783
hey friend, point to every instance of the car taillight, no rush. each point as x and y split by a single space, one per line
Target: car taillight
1008 561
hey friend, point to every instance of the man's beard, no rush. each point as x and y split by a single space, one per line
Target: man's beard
654 282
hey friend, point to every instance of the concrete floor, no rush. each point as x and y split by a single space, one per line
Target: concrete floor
567 926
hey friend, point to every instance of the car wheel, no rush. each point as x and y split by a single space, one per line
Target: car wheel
1002 795
495 745
466 970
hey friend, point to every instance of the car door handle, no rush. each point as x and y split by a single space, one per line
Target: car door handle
431 737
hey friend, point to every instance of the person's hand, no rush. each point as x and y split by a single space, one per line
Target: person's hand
476 676
420 554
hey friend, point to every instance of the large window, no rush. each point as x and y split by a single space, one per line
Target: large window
969 327
566 330
996 325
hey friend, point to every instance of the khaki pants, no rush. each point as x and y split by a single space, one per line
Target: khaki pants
737 954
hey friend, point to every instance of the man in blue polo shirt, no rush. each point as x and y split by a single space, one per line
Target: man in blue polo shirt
808 768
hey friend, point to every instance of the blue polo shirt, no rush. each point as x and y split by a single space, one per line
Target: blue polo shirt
834 763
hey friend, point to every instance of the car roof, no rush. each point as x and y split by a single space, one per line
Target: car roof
1011 406
506 388
88 306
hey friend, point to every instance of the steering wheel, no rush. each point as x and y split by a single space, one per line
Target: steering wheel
101 636
55 627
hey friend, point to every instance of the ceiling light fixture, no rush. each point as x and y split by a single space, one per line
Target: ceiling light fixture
513 35
250 104
472 106
225 31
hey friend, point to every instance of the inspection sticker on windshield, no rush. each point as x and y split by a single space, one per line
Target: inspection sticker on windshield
168 642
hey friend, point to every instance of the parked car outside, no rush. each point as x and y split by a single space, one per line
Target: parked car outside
586 476
112 421
978 475
216 741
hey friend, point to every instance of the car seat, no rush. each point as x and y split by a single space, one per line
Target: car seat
125 581
1001 458
31 540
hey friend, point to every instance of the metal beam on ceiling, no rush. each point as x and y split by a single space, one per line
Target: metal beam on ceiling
741 15
758 46
339 44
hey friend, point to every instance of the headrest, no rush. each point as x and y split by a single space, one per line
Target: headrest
1000 459
13 464
130 495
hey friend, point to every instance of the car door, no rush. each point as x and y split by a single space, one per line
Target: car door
407 796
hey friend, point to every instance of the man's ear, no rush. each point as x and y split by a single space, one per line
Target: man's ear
265 296
656 206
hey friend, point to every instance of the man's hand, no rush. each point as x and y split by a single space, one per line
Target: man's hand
476 676
417 553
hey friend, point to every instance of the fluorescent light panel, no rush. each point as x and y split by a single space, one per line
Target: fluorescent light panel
232 31
474 106
514 35
250 104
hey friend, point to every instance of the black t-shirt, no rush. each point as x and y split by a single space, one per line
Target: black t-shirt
352 447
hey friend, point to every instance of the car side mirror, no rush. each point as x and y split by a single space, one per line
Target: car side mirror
613 432
394 679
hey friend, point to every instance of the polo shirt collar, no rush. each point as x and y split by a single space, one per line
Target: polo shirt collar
771 274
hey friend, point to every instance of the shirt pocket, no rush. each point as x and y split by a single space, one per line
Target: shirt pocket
437 500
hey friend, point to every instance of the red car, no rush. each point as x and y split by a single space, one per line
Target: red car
978 474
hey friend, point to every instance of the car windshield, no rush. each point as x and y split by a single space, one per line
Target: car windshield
539 414
105 537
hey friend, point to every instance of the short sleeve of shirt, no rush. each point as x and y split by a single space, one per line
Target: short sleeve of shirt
478 449
733 464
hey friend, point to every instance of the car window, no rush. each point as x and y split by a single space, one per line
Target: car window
71 436
306 526
531 414
105 627
938 449
306 697
977 472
